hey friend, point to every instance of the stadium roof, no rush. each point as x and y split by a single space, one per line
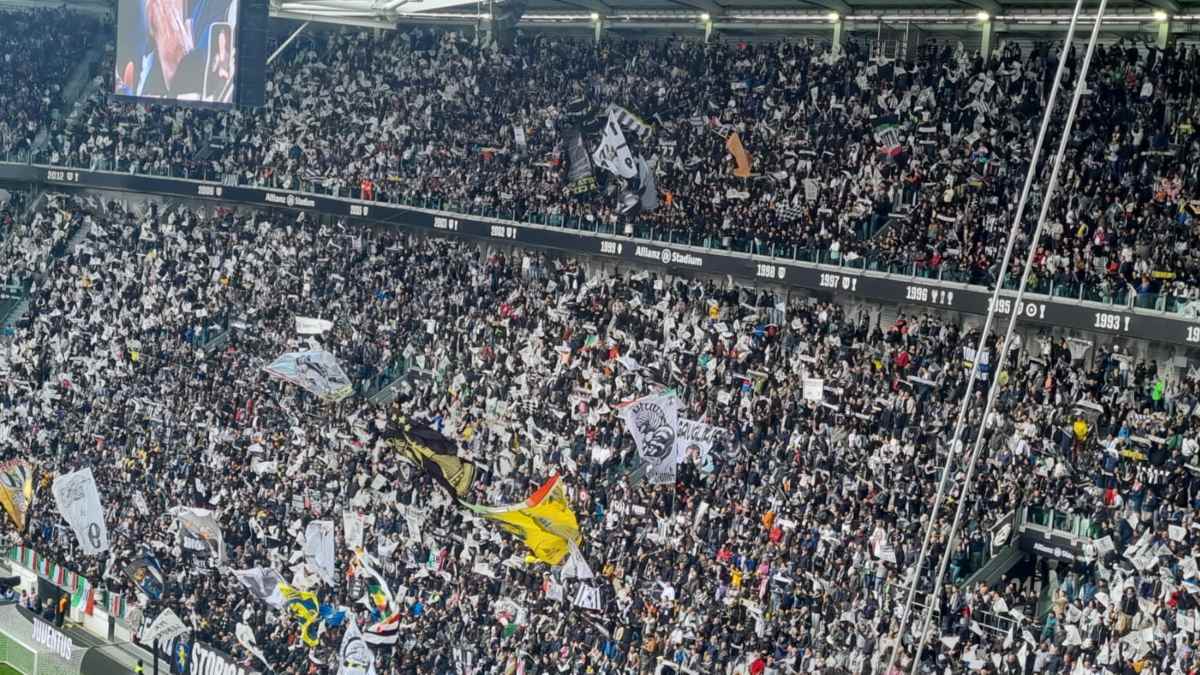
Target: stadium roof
1003 15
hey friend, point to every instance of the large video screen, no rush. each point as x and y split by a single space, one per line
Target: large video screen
177 49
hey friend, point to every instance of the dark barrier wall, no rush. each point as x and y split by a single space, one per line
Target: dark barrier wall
1068 313
97 662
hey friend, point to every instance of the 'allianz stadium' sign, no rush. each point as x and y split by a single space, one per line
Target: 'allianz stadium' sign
295 201
667 256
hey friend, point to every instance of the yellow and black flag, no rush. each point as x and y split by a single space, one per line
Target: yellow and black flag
437 455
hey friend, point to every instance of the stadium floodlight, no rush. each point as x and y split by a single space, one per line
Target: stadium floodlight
1160 16
982 16
832 16
705 17
595 16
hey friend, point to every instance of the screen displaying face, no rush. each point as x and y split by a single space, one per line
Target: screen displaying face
177 49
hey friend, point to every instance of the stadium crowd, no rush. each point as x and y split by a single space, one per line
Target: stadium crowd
420 115
772 554
785 550
33 62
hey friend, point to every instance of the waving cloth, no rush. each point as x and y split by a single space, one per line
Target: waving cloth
545 521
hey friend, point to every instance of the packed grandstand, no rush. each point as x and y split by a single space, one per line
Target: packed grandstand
275 510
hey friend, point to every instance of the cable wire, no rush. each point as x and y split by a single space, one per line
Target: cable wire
960 422
994 387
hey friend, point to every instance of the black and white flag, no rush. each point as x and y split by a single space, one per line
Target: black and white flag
78 502
579 165
630 121
200 531
640 196
614 155
653 421
696 440
166 627
588 597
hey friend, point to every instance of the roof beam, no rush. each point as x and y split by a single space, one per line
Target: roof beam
591 5
992 7
1168 6
706 5
838 6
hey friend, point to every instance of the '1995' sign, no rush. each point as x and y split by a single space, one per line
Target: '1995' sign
1030 310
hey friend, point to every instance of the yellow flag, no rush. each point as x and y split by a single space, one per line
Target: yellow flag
16 489
304 606
545 521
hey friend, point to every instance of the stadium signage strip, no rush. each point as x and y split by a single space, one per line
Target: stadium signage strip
45 635
1067 313
209 661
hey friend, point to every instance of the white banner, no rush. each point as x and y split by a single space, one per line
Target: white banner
576 566
261 468
78 502
613 153
519 136
166 627
245 637
653 422
696 439
354 656
318 550
352 528
811 190
307 326
814 389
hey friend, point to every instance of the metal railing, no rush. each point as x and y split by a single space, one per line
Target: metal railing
1059 522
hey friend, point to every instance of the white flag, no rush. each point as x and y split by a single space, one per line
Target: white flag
307 326
355 657
261 468
139 502
318 550
554 591
263 583
653 421
78 501
245 638
576 566
352 528
588 597
166 627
